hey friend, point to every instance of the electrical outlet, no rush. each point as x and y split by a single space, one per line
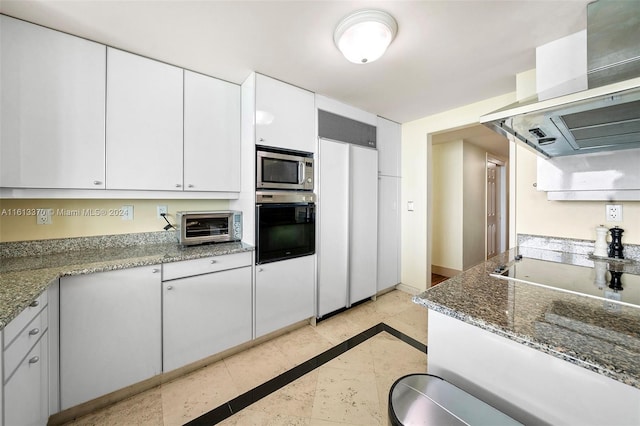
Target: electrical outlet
162 210
43 216
127 212
614 212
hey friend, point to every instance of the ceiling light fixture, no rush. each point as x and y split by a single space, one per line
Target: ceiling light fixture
364 36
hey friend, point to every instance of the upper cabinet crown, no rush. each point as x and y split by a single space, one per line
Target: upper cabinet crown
285 115
52 108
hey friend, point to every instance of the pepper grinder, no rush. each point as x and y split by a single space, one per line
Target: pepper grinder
600 248
615 247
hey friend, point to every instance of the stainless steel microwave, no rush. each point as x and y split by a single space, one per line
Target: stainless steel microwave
281 169
201 227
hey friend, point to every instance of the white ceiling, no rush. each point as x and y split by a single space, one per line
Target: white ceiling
446 54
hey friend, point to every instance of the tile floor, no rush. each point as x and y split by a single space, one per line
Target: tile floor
351 389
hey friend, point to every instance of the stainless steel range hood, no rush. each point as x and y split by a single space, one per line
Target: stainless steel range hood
605 117
601 119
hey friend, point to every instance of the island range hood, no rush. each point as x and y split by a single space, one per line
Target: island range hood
606 116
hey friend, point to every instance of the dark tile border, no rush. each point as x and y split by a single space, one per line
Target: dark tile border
238 403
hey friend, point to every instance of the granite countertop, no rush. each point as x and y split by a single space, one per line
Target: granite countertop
23 279
585 331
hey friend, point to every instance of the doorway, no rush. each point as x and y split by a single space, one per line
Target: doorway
496 207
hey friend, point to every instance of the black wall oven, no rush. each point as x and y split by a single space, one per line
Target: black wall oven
285 225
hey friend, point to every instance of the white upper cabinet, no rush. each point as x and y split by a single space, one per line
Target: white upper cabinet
144 123
285 115
388 144
211 134
52 108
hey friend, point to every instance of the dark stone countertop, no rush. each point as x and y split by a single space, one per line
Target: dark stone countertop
23 279
585 331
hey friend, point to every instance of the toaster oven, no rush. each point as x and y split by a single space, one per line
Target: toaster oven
201 227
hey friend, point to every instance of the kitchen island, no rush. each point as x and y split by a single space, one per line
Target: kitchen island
539 354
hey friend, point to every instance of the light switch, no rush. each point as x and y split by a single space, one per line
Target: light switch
410 206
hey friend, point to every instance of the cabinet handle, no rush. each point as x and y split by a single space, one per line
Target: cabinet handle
97 182
178 185
190 185
261 139
34 360
34 303
155 270
213 261
260 269
170 287
34 332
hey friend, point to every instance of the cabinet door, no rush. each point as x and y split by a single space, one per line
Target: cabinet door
285 115
388 144
284 293
388 232
52 108
144 123
363 238
26 399
110 332
204 315
211 134
333 226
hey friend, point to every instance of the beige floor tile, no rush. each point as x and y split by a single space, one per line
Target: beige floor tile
359 358
295 399
346 396
384 383
394 357
302 344
251 417
412 322
142 409
318 422
190 396
394 302
256 365
337 329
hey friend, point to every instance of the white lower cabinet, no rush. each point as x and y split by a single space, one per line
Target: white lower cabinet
284 293
26 401
110 332
25 361
204 315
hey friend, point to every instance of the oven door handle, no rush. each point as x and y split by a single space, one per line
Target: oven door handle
300 172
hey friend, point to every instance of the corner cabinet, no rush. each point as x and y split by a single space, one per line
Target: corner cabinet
110 332
284 115
144 123
211 134
52 108
207 307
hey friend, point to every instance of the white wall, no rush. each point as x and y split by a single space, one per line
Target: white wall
416 153
569 219
447 196
474 205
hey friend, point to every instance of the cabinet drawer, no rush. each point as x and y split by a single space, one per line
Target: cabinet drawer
25 394
25 340
12 329
187 268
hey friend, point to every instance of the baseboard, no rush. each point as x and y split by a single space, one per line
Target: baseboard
445 272
408 289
